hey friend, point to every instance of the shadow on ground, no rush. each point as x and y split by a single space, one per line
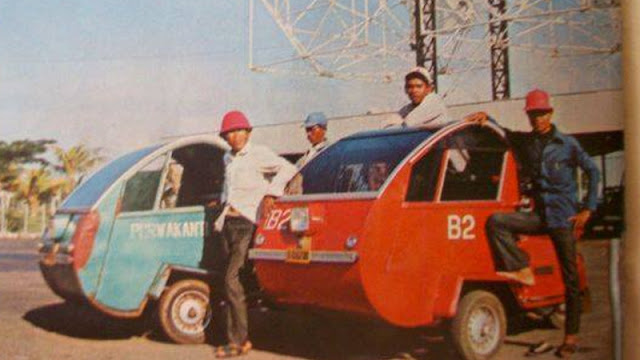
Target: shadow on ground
292 333
80 321
318 336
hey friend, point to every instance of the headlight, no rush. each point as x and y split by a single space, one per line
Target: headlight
299 221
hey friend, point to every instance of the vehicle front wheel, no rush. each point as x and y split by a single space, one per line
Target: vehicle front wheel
479 327
184 312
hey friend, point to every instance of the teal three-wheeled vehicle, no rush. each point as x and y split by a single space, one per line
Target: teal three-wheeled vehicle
135 232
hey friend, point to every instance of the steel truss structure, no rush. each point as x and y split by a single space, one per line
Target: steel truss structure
486 49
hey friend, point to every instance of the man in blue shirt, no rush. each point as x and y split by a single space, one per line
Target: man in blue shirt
547 162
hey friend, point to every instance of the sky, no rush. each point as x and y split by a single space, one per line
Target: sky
122 74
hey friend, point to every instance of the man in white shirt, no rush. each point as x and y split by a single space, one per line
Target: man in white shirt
315 126
426 108
254 177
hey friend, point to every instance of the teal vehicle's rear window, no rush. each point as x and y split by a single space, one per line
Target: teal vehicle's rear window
88 192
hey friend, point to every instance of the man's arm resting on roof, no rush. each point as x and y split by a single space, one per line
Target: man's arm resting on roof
282 170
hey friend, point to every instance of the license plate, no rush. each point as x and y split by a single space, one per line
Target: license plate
298 256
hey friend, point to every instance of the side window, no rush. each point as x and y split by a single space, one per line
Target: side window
475 158
141 189
424 177
478 179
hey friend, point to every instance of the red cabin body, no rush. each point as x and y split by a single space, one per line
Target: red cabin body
402 245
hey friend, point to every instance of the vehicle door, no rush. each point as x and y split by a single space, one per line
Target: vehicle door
477 177
161 220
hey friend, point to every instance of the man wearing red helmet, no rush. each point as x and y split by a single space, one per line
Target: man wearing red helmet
547 162
254 177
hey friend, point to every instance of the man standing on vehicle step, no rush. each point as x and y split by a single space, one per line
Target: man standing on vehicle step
426 108
254 177
548 159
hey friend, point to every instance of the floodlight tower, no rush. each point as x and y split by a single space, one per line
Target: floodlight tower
425 44
499 43
513 45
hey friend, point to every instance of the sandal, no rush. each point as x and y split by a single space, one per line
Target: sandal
539 348
233 350
566 350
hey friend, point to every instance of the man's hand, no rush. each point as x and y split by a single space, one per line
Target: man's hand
268 202
579 221
479 117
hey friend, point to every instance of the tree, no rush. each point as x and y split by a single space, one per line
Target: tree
76 162
36 186
17 153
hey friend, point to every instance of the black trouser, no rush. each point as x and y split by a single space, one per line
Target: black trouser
502 230
237 233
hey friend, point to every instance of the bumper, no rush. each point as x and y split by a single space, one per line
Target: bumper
331 257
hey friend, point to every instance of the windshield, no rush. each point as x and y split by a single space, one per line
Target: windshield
88 192
357 164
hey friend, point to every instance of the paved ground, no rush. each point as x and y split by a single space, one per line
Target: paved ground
35 324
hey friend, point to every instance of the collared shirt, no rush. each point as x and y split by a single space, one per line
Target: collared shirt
430 113
549 162
252 173
311 153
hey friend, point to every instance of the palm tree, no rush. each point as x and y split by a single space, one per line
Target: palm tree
36 186
76 162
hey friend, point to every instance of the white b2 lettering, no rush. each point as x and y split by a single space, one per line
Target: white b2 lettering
454 229
286 216
277 219
461 228
272 221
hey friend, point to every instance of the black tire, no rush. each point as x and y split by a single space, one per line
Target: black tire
184 312
479 327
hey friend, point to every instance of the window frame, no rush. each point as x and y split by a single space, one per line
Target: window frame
444 164
443 177
364 194
167 154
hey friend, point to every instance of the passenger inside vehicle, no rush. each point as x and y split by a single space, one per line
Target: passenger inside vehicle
172 184
377 174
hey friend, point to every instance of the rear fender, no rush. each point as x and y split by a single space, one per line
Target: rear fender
449 297
169 274
446 303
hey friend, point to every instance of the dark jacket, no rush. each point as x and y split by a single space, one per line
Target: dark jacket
552 174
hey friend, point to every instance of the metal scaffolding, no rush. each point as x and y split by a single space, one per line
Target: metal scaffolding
499 41
426 44
559 45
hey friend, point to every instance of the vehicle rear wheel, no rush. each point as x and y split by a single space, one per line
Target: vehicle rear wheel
479 327
184 312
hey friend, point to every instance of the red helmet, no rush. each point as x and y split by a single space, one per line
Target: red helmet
537 100
234 120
